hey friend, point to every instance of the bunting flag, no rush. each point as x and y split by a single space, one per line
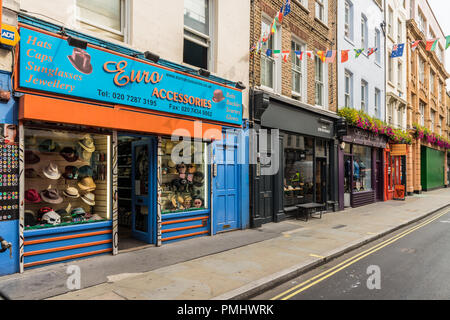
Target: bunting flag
253 48
273 27
397 50
299 54
358 52
447 39
321 55
431 44
276 54
269 52
287 8
371 51
309 54
344 55
279 15
285 55
330 56
415 44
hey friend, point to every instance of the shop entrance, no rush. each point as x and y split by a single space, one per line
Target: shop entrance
136 161
321 180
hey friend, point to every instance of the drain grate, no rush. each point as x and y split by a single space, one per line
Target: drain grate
339 226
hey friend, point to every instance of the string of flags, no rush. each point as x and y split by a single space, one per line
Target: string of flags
328 56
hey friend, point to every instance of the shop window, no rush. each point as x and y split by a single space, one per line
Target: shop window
184 185
107 15
298 172
67 178
197 33
362 168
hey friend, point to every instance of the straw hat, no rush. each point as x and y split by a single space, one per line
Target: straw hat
51 171
89 198
87 143
71 192
87 184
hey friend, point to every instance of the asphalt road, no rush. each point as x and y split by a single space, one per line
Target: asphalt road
412 263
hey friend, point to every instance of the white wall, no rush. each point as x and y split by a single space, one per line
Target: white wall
157 26
364 67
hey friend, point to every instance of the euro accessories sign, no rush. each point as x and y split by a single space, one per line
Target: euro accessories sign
9 35
47 63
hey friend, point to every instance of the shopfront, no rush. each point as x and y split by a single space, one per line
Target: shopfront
361 168
305 150
118 152
432 168
395 171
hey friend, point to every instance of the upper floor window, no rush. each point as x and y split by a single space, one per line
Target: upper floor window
390 68
377 102
108 15
319 81
378 45
422 22
421 70
390 22
432 119
399 75
364 32
268 63
432 81
422 113
297 69
321 7
348 92
440 92
348 22
364 90
440 125
197 30
399 31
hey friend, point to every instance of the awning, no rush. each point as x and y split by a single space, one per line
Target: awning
34 107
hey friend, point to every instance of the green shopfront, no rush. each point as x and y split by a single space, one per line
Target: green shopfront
432 168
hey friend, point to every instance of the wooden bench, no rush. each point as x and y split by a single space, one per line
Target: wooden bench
307 209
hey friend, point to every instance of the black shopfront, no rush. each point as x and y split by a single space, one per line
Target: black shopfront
304 152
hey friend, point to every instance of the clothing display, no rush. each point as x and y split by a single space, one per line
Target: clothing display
60 182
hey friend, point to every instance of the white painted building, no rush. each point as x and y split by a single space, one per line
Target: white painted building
396 14
213 34
361 81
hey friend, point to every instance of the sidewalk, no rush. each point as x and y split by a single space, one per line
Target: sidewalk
230 265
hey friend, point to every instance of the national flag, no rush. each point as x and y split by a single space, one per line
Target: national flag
285 55
265 37
287 8
415 44
371 51
269 52
344 55
321 55
276 54
397 50
448 42
358 52
309 54
330 56
279 15
431 44
299 54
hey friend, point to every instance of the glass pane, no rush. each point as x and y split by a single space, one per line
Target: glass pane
195 54
67 178
141 218
196 15
141 173
105 13
184 172
362 168
298 174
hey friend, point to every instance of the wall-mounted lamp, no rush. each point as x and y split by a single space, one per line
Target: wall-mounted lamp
203 72
75 42
240 85
151 56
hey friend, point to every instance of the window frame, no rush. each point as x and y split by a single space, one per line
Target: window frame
348 95
320 82
364 33
364 106
323 4
422 113
377 106
300 69
124 20
390 27
276 75
349 5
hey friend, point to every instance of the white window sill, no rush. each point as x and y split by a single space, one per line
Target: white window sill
302 6
349 41
323 23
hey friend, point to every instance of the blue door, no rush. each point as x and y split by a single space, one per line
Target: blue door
143 189
226 185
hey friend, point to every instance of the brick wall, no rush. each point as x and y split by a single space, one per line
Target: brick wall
302 24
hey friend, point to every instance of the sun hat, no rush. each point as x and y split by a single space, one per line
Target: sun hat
85 171
169 147
31 157
87 143
48 146
86 155
71 192
89 198
171 164
69 153
87 184
70 172
32 196
51 171
51 196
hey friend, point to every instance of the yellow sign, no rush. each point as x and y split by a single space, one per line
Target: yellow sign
398 150
9 35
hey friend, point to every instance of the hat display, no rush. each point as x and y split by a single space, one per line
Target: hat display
51 196
171 164
41 212
87 143
65 216
86 155
81 60
77 214
87 184
85 171
32 196
89 198
30 141
69 153
31 157
71 192
30 173
70 172
48 146
30 219
51 217
51 171
169 147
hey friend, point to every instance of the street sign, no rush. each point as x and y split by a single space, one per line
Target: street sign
9 35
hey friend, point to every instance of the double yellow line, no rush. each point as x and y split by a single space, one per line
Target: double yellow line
328 273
